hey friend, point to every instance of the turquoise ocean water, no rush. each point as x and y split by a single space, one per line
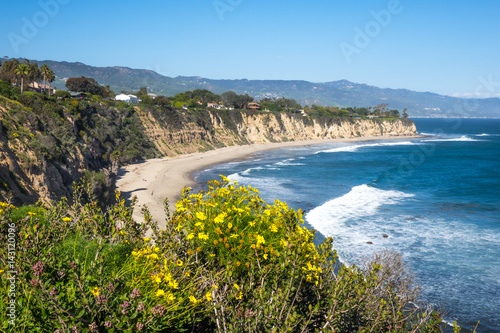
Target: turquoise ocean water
437 198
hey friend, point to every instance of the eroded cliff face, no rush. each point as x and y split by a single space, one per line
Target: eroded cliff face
26 175
237 128
29 177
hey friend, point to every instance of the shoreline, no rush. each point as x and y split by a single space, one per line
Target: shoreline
156 179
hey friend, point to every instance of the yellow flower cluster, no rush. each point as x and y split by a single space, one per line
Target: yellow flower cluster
167 279
148 253
3 206
233 225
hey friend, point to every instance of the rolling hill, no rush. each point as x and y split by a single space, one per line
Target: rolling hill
335 93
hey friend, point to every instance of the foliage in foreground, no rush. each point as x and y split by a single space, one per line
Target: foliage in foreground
226 262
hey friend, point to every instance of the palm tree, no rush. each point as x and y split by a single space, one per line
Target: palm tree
22 70
44 69
50 78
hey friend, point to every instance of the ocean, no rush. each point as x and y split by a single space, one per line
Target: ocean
437 198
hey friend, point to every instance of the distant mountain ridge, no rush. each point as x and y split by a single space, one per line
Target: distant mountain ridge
334 93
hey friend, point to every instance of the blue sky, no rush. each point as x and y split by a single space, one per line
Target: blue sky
447 47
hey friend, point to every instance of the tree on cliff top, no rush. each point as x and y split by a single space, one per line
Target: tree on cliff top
23 70
87 85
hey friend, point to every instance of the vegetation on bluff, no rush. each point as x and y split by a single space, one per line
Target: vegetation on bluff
226 262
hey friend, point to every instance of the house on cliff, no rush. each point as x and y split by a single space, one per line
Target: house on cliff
127 98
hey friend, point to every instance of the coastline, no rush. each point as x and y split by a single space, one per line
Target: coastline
153 180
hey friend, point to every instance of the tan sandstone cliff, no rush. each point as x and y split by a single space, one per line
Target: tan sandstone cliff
238 128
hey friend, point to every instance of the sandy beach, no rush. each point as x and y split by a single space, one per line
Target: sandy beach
154 180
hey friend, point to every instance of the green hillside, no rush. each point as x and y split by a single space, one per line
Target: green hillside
335 93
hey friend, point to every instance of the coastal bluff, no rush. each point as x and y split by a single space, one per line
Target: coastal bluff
46 147
231 128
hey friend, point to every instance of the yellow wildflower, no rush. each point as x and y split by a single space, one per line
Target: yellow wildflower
146 239
200 225
260 240
209 297
66 219
193 299
220 218
153 256
31 213
168 277
202 235
170 296
190 236
229 225
201 216
160 293
240 295
173 284
236 286
179 262
156 278
95 291
265 256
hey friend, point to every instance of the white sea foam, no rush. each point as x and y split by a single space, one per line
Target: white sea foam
486 134
247 171
361 216
288 162
462 138
361 201
354 148
261 183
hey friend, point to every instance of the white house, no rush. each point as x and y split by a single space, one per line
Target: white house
126 98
